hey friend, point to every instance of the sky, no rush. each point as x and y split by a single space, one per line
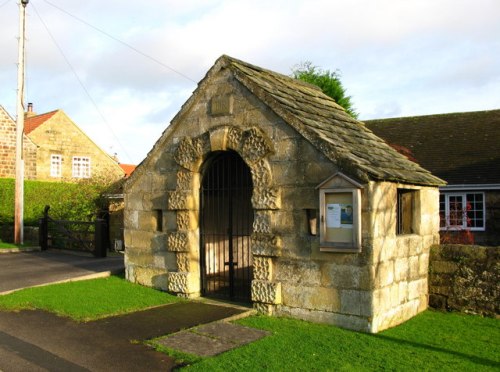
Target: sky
122 69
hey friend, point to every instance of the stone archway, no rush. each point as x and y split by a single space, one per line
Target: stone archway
254 148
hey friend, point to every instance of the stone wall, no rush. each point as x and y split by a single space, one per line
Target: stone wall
465 278
382 286
60 136
8 150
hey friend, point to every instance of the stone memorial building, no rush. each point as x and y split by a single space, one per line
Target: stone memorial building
264 190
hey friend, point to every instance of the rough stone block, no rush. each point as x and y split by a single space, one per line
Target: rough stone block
314 298
266 245
266 198
178 282
384 272
401 269
181 200
181 241
341 276
262 268
266 292
414 267
307 273
262 223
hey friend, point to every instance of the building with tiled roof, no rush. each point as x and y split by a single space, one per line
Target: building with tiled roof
55 149
65 152
462 149
128 169
262 189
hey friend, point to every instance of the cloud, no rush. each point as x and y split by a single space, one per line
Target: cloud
397 57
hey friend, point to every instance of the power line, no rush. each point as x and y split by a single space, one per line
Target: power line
81 84
122 42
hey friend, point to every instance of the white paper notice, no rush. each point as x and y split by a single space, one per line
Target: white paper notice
333 216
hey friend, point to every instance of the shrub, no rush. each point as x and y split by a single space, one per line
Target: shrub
80 201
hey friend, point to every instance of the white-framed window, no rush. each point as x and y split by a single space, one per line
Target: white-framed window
55 165
81 167
462 210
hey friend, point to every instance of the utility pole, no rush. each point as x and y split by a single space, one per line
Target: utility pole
19 194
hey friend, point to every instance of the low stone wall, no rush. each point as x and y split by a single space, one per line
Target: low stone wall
465 278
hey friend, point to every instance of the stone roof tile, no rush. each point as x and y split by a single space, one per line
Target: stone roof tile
328 127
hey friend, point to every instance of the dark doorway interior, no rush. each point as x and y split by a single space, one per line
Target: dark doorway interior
226 218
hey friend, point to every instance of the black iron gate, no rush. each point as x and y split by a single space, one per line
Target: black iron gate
226 218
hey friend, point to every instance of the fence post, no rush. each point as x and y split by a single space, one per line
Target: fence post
43 231
100 238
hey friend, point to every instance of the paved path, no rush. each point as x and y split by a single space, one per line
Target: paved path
20 270
40 341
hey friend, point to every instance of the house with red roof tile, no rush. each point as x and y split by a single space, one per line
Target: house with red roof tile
57 149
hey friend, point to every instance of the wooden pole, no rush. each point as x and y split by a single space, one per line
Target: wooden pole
19 192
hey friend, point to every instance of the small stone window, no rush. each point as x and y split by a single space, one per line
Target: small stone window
405 207
340 214
158 220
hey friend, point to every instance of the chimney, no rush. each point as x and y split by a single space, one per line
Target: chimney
30 111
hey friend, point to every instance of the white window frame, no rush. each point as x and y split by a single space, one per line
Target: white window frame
81 167
56 165
462 226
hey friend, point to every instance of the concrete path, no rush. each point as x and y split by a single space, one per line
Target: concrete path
20 270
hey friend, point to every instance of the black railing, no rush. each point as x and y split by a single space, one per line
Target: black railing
83 236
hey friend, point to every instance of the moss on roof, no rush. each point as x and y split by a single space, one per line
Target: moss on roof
325 124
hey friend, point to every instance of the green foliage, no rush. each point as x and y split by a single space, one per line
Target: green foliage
328 81
430 341
68 201
87 300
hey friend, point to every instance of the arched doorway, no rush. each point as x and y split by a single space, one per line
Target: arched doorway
226 218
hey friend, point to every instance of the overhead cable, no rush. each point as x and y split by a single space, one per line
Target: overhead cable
122 42
82 84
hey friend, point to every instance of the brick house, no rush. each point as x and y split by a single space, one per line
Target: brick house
263 189
8 149
462 149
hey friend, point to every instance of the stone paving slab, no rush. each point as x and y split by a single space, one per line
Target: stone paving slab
212 339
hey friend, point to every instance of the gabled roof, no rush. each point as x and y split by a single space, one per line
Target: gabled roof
461 148
128 169
342 139
33 122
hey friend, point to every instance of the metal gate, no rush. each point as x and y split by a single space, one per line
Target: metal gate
226 218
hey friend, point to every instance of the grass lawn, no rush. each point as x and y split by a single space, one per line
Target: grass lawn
4 245
430 341
87 300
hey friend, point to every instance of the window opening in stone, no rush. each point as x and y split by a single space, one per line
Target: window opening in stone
405 211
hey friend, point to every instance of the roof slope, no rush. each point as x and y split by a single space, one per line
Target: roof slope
33 122
461 148
328 127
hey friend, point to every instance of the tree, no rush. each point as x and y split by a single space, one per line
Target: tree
328 81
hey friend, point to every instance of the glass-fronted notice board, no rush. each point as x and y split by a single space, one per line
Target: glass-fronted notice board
340 216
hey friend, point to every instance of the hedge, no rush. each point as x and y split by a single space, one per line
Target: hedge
69 201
